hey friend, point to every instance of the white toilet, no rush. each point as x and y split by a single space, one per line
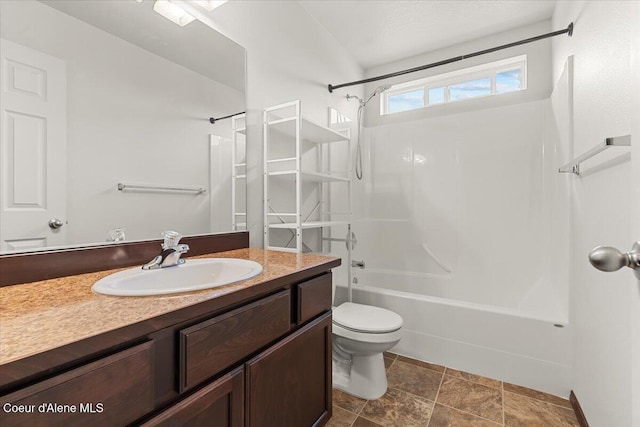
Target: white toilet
360 334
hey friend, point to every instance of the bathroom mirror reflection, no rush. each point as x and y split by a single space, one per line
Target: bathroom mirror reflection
101 93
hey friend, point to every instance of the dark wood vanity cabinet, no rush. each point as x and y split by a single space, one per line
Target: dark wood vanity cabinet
97 394
265 362
286 385
219 404
289 385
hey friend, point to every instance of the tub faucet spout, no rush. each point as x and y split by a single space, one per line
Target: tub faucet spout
357 264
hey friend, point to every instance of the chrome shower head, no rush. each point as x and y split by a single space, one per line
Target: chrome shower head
381 89
377 91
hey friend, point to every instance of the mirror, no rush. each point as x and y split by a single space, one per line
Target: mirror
105 125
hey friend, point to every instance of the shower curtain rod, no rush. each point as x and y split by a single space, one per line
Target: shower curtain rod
568 30
212 120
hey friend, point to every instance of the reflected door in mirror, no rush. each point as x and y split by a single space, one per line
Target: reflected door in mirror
33 147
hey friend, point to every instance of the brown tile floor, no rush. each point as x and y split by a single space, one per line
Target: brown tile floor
422 394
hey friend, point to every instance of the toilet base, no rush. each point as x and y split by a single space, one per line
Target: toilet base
363 376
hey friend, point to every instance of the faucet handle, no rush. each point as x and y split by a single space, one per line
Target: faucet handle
182 248
171 238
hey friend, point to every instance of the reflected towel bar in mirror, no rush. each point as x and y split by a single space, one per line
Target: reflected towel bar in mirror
574 165
196 190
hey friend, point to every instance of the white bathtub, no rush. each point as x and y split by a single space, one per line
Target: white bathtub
497 342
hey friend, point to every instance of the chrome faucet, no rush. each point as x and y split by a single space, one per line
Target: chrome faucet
171 252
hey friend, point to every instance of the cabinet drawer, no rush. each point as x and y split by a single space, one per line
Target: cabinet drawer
209 347
100 392
314 297
220 403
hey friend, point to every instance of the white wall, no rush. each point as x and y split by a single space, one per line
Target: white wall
289 56
133 117
601 303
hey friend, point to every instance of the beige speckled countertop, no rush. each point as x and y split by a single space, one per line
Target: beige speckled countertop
40 316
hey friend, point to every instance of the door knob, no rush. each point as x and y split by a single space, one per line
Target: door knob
55 223
606 258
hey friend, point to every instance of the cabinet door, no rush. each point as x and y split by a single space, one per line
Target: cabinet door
219 404
289 385
96 394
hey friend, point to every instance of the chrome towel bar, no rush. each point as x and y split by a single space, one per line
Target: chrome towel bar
197 190
574 165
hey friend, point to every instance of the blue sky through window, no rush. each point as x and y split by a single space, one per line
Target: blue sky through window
436 95
470 89
508 81
406 101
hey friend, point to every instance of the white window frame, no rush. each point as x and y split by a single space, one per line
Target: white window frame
446 80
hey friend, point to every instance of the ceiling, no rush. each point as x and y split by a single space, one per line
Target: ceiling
379 32
195 46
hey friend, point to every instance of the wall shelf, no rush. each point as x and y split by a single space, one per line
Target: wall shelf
309 131
285 159
309 224
310 176
574 165
285 130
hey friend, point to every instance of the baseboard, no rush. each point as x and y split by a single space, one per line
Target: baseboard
582 420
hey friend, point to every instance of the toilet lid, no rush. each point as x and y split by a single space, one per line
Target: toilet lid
366 318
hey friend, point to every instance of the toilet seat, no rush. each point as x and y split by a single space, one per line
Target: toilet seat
365 319
366 337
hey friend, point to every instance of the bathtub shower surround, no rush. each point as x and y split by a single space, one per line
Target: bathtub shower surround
462 221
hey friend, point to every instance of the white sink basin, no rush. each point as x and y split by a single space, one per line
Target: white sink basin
193 275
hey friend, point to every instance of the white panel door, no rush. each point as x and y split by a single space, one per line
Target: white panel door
32 148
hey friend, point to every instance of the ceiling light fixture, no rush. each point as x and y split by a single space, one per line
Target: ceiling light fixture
172 12
210 4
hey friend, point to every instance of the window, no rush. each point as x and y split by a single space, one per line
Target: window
470 89
495 78
509 81
405 101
